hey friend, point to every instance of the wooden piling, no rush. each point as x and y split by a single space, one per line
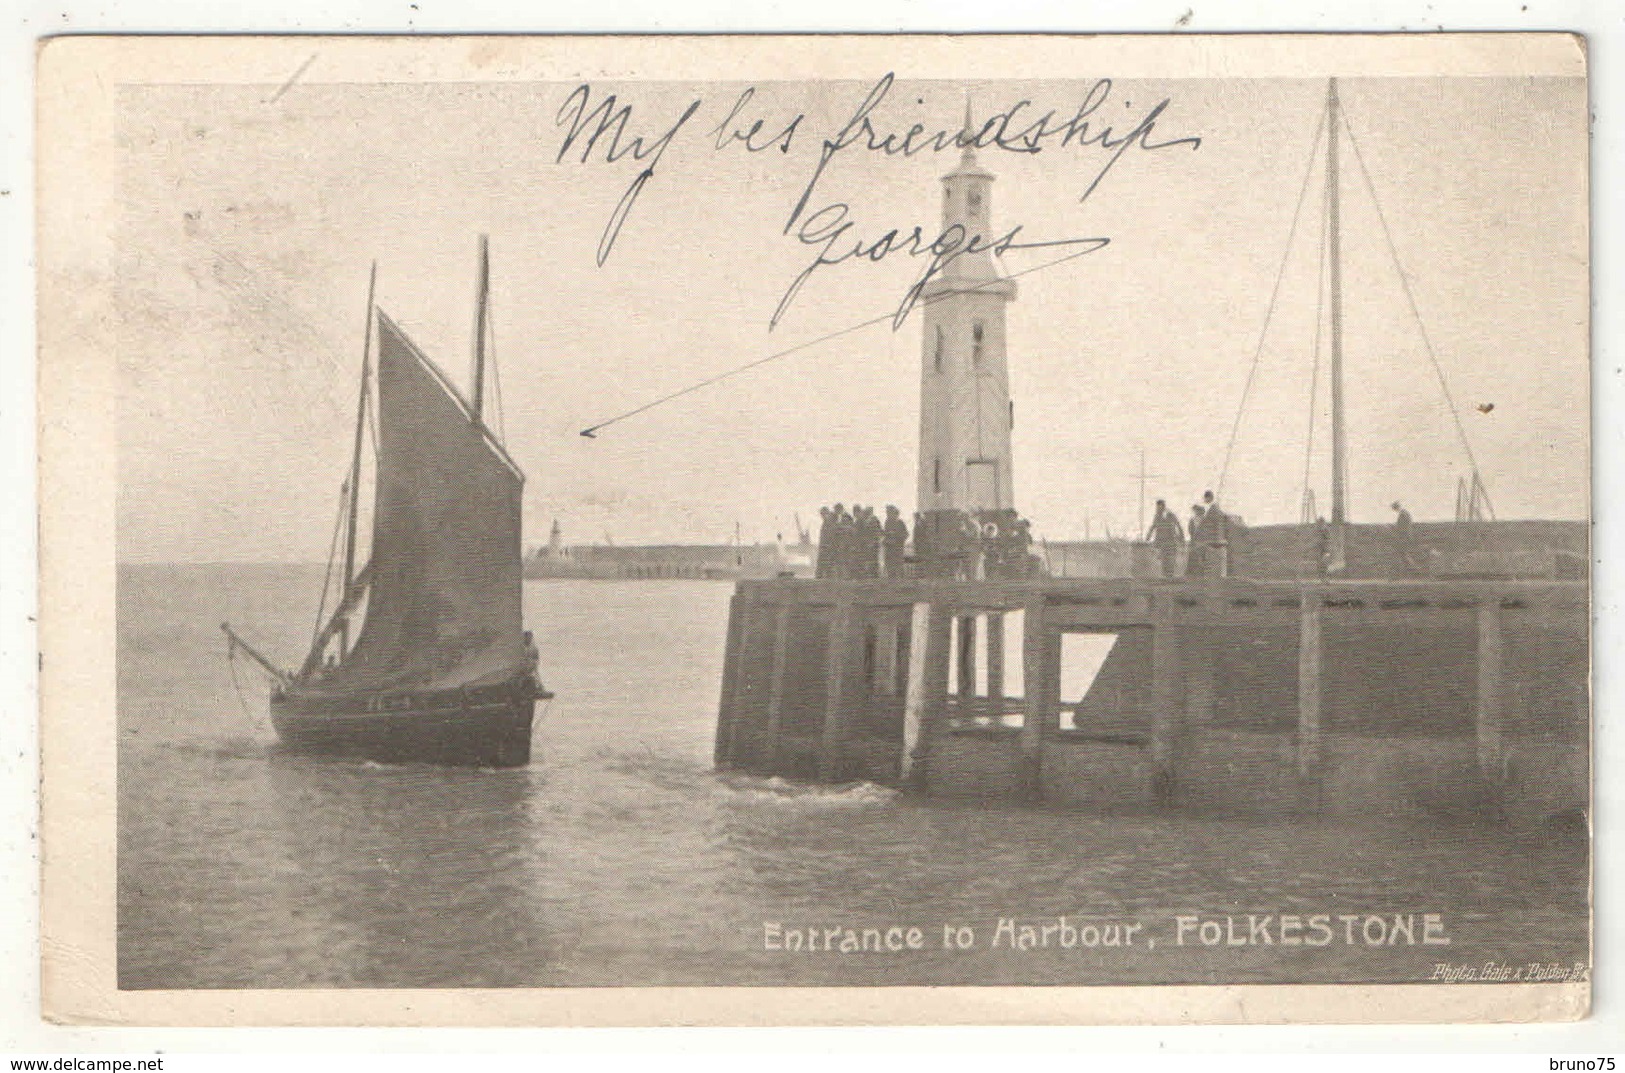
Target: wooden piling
722 754
745 717
1309 672
1488 706
995 663
921 626
967 661
934 705
1197 655
1041 687
775 689
837 685
1165 705
886 633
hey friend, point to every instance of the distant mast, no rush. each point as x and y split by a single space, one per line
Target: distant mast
480 316
1335 265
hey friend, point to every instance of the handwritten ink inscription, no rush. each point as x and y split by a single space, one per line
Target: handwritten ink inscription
611 118
605 131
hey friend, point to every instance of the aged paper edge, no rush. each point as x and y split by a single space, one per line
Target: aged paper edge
77 81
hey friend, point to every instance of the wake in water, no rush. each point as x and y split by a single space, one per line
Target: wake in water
227 748
413 768
753 789
731 787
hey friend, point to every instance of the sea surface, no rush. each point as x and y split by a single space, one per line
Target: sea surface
620 858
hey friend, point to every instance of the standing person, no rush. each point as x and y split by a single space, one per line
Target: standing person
1402 539
1218 536
924 548
1196 558
951 543
864 558
972 555
943 541
854 548
826 542
990 532
1021 544
842 560
1323 547
894 538
1166 535
870 533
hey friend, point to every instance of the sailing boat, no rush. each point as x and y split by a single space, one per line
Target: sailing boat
441 671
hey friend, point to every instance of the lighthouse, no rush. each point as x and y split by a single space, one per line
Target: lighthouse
965 409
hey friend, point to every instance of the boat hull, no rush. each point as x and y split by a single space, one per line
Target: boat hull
483 727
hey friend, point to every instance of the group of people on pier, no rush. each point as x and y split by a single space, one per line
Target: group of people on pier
1208 539
1409 560
1211 534
855 544
970 545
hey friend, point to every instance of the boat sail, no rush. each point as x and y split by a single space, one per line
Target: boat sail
441 670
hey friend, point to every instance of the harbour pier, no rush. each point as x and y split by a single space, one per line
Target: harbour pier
1327 668
1457 698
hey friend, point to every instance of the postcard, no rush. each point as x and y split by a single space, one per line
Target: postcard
815 529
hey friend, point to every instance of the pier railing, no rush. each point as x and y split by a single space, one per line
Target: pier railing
1458 696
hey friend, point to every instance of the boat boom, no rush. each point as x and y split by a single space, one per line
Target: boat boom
236 642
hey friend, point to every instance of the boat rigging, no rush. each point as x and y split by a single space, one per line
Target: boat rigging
1333 129
440 670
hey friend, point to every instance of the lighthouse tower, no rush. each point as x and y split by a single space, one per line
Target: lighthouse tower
965 411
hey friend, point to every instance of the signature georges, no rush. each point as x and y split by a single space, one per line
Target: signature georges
598 131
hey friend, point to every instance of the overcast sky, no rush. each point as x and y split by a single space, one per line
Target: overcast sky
249 219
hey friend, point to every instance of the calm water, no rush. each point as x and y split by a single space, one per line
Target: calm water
618 857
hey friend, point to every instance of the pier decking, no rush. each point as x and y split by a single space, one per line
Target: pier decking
1466 698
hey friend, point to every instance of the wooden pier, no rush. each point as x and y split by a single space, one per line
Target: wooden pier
1465 698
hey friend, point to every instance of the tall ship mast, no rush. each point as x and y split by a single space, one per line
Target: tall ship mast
1334 256
1328 539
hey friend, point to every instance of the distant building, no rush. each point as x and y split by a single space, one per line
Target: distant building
555 544
647 562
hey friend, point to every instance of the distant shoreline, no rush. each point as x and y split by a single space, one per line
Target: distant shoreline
1423 526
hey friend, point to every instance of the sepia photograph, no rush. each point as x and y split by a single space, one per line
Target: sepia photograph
807 512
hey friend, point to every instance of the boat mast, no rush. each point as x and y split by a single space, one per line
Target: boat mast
1334 257
355 457
347 599
479 327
